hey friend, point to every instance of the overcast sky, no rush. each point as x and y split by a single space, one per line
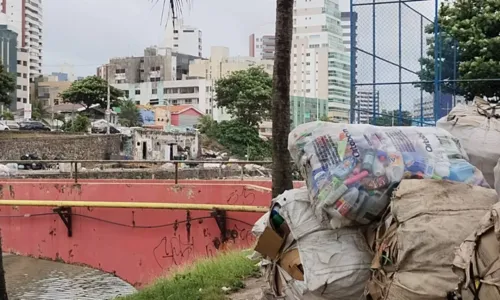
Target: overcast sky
86 33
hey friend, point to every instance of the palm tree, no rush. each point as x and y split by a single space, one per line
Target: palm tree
282 171
39 111
129 115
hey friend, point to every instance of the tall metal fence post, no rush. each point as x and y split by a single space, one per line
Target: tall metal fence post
176 164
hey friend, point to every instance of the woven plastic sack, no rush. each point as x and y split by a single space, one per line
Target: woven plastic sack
350 169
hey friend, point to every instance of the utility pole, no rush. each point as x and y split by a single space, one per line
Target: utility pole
108 110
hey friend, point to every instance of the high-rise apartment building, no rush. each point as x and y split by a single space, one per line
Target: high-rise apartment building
366 105
320 66
184 39
26 17
262 46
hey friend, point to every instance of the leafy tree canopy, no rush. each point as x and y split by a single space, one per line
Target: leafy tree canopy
236 136
129 115
80 124
471 28
7 86
92 90
7 115
246 95
388 118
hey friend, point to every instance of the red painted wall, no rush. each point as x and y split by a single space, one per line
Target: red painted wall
111 239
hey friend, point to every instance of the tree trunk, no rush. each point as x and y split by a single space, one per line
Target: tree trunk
3 286
282 173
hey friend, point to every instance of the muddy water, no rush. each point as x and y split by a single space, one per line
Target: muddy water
29 279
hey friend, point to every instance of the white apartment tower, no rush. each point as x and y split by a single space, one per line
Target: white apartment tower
262 46
183 39
26 17
320 66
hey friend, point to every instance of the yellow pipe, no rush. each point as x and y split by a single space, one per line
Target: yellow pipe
150 205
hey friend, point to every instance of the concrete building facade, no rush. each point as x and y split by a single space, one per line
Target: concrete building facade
262 46
195 92
152 67
184 39
320 67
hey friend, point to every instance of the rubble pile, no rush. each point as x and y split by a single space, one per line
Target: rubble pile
380 217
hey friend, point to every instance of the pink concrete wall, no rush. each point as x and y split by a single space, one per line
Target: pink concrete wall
135 254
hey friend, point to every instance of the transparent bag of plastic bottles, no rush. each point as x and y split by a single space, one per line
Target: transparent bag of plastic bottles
349 168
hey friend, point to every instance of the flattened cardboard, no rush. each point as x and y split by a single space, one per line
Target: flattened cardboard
290 262
269 243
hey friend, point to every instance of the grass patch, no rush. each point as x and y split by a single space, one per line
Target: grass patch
202 280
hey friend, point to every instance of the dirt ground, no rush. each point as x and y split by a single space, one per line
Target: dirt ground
252 291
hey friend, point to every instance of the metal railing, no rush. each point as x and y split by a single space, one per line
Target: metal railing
74 164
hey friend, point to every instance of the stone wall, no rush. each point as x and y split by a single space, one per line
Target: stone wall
50 145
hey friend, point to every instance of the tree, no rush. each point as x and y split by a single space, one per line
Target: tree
391 118
325 118
39 111
80 124
92 90
208 126
473 26
241 139
448 66
246 95
7 86
130 116
7 115
282 172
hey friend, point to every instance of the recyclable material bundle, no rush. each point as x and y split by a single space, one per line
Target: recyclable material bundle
308 259
350 170
477 127
415 244
381 215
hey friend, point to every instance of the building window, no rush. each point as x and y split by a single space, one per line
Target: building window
154 102
153 91
18 74
25 88
18 99
157 68
137 102
137 92
120 71
25 63
25 101
126 94
176 45
19 87
25 75
18 62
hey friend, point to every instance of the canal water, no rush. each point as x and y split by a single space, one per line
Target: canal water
29 279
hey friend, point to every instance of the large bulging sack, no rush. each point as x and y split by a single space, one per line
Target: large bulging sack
477 261
478 128
415 245
350 169
335 263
